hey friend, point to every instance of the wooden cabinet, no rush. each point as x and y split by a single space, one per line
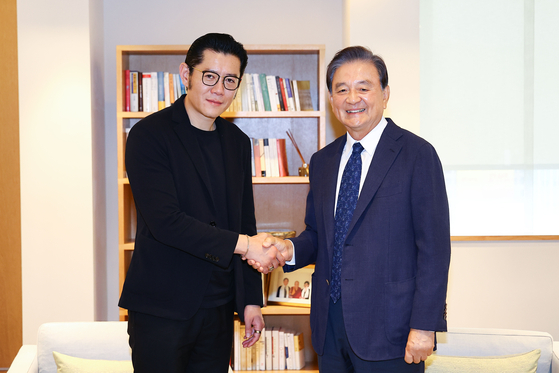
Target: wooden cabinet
280 201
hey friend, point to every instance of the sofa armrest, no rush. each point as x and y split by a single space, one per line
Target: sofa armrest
25 360
555 358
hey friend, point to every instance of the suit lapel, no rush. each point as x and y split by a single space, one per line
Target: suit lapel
385 154
329 179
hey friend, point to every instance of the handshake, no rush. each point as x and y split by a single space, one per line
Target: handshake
264 252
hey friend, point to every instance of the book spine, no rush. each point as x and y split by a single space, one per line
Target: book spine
289 92
265 94
256 158
146 84
279 87
171 89
154 92
282 158
160 90
140 91
272 89
167 93
133 91
126 90
262 157
296 95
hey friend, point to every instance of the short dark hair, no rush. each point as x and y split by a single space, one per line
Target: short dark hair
220 43
356 53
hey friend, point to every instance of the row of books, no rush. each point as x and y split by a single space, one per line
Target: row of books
151 91
269 158
261 92
277 349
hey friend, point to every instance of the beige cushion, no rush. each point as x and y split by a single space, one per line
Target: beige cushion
520 363
70 364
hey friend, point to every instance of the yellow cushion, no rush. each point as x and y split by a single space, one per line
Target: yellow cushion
520 363
70 364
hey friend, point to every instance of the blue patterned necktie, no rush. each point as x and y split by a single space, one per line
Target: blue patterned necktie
347 200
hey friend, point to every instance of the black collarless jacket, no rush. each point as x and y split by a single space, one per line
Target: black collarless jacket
178 243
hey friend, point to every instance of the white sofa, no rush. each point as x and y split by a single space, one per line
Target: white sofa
109 341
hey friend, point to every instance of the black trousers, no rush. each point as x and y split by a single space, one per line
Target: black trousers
200 344
338 356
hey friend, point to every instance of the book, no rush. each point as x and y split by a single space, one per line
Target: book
282 158
258 92
236 344
295 95
281 349
256 158
250 93
304 90
126 90
154 92
279 87
299 350
133 91
274 166
171 89
275 348
268 338
289 94
140 91
160 90
289 358
262 351
273 91
262 157
265 94
146 89
166 90
244 96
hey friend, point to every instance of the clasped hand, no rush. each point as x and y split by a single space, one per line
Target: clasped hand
266 252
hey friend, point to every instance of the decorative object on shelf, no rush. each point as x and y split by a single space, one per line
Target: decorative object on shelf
303 170
291 289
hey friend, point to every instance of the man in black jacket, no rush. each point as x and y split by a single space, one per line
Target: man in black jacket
190 175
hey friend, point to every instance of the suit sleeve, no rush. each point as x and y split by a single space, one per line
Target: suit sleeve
306 244
430 215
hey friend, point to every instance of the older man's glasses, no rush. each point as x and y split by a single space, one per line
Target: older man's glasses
210 78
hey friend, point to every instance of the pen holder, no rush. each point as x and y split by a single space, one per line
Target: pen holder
304 170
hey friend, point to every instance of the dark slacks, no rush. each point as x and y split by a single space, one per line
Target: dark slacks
200 344
339 357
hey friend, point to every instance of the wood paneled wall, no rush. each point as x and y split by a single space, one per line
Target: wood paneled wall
10 207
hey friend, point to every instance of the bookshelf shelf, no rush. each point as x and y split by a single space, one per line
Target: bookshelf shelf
279 201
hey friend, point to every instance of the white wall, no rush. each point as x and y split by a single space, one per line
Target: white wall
505 285
391 30
56 162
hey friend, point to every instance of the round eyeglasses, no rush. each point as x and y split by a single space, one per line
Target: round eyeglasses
210 78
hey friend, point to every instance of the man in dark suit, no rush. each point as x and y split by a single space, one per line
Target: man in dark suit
378 230
190 175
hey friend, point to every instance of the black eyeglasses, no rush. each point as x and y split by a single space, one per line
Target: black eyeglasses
210 78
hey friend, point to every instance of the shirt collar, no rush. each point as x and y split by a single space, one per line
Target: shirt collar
370 141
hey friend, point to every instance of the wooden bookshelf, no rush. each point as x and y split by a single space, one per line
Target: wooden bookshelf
279 201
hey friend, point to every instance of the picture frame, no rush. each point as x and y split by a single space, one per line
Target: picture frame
297 293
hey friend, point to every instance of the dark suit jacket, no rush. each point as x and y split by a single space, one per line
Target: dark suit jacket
177 241
397 251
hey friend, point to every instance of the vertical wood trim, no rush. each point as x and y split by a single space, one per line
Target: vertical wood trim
10 205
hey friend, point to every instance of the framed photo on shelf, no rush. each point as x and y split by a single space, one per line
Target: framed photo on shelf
291 289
